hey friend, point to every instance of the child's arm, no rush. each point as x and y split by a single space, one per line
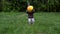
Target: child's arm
33 10
26 11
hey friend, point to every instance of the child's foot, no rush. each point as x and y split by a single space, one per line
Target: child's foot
32 23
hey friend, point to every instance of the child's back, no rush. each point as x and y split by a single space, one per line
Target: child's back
30 14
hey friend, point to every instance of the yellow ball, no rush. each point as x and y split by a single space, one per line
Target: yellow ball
30 8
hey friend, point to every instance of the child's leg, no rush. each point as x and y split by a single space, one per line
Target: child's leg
33 20
29 20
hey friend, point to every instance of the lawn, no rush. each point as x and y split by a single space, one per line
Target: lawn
16 23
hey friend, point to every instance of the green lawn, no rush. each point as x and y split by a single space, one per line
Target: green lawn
16 23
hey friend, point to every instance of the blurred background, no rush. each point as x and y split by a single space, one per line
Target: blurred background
39 5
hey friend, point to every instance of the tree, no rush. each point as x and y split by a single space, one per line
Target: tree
1 5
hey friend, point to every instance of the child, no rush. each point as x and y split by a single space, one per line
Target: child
31 17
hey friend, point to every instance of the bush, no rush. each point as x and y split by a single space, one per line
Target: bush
39 5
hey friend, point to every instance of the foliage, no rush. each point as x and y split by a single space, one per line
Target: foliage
39 5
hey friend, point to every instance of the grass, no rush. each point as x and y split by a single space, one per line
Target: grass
16 23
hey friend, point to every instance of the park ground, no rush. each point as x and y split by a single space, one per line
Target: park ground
16 23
